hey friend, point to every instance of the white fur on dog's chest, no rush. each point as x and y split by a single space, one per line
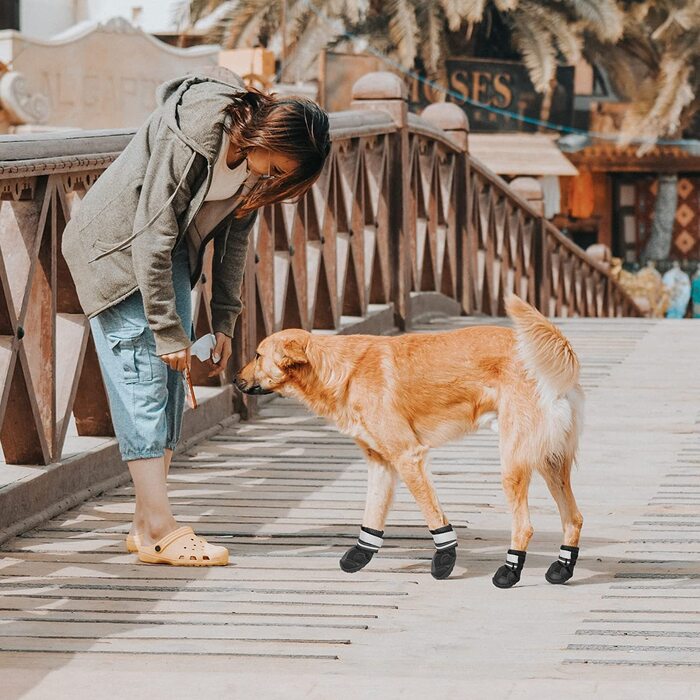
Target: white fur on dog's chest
350 424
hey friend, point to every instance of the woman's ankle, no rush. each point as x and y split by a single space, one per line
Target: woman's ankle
154 529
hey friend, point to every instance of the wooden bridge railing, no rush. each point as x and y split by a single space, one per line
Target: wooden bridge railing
401 209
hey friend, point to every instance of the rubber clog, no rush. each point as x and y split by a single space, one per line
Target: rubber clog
182 547
133 542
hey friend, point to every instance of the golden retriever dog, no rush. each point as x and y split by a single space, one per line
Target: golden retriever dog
398 396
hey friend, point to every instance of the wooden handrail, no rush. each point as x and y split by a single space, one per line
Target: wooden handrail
400 208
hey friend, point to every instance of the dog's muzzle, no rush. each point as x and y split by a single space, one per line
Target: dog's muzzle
252 389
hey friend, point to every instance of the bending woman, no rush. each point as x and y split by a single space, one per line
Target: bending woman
208 157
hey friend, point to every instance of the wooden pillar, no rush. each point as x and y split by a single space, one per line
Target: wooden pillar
530 189
453 121
387 92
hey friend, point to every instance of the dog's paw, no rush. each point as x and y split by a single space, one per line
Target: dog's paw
355 559
506 577
444 561
559 573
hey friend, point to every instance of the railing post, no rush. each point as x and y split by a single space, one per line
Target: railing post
454 122
530 189
387 92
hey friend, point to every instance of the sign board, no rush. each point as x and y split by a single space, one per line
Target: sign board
103 76
504 85
501 84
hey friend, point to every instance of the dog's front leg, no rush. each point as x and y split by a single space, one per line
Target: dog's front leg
381 481
411 467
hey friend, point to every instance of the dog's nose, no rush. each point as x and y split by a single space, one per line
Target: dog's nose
240 383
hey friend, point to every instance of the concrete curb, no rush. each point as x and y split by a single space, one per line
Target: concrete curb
62 485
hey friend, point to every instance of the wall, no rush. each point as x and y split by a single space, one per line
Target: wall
42 19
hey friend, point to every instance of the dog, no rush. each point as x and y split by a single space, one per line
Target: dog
398 396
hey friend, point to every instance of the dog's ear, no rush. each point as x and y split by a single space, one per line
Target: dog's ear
294 353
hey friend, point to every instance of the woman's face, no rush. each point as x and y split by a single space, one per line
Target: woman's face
262 161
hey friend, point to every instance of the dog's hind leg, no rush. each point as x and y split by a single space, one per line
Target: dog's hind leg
411 467
516 483
557 474
381 481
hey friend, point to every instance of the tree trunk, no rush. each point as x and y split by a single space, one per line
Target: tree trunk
659 244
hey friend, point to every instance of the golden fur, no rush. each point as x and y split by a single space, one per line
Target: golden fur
400 396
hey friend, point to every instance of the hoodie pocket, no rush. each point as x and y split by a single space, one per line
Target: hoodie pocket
132 350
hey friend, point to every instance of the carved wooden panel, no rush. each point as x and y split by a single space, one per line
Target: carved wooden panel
458 229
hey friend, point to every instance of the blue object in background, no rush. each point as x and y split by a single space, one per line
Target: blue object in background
696 294
678 284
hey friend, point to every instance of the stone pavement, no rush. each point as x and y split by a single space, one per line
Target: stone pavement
79 618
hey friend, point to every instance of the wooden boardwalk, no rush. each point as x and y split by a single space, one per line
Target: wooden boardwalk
285 493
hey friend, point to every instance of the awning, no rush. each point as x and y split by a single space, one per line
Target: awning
520 154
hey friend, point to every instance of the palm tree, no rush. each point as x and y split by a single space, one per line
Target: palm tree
649 47
656 66
407 30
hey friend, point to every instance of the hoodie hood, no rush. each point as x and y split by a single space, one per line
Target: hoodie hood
194 107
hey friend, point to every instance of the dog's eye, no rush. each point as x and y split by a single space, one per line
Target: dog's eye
257 355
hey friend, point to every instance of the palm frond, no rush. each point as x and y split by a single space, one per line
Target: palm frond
430 47
536 48
505 5
314 34
200 8
472 10
403 30
672 93
452 10
603 17
355 10
566 35
241 24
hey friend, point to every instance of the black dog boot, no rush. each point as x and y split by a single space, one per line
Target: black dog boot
563 568
445 557
509 574
368 544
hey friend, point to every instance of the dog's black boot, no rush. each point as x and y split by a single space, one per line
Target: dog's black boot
445 558
368 544
509 574
563 568
355 559
444 561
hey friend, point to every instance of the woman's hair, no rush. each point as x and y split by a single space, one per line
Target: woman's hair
294 126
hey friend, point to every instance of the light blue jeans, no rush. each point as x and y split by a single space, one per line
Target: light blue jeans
146 397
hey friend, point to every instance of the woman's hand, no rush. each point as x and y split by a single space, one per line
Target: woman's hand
221 354
179 361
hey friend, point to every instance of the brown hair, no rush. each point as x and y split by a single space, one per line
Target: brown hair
294 126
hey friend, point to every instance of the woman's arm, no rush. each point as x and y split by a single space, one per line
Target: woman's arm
152 250
228 267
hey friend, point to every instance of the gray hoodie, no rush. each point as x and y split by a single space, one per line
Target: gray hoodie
122 237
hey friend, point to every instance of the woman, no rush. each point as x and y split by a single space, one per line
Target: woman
210 155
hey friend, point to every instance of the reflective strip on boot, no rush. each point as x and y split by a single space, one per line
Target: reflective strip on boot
444 537
568 555
515 559
369 539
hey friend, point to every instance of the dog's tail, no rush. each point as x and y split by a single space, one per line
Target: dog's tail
543 349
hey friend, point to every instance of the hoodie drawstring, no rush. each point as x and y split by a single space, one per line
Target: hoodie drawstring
127 241
247 186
